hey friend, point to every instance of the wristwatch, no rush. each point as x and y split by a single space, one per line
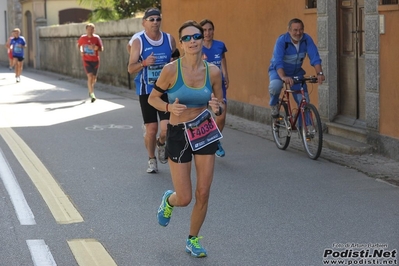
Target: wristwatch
320 74
220 111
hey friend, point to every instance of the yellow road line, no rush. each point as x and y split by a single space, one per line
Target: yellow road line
90 252
58 202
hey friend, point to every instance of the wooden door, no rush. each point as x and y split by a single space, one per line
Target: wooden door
351 59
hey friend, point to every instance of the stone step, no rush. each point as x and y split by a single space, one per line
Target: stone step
348 132
345 145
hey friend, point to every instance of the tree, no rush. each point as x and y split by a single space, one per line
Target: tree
130 8
105 10
102 10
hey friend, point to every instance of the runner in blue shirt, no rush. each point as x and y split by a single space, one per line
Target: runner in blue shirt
18 45
214 52
150 51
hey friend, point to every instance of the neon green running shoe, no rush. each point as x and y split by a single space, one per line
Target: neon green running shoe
194 247
92 96
165 210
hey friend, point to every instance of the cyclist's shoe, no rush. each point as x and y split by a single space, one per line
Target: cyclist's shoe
161 152
152 166
274 111
310 133
92 96
194 247
165 210
220 151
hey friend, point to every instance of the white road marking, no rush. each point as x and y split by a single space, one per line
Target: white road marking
22 209
40 253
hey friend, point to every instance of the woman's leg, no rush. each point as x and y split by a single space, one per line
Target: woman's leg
16 66
182 184
204 165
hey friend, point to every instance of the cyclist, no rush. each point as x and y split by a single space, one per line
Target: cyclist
289 53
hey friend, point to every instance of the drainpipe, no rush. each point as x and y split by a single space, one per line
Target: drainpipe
45 9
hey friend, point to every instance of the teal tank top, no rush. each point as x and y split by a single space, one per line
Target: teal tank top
191 97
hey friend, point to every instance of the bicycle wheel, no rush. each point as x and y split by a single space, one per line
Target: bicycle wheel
311 131
281 129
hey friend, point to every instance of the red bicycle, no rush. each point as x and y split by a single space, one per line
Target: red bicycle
306 121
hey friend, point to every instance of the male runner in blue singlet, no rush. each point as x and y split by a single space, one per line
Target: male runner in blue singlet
150 51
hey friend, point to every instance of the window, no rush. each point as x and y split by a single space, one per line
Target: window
73 15
313 3
388 2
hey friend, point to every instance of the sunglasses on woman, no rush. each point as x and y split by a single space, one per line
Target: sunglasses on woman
154 19
187 38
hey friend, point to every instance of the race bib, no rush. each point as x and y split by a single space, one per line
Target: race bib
17 49
88 51
202 131
153 73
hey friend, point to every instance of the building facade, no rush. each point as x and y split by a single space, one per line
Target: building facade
40 13
356 40
11 15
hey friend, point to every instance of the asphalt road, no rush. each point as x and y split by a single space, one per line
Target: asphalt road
267 207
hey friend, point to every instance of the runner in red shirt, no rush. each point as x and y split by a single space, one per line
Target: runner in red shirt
9 52
90 45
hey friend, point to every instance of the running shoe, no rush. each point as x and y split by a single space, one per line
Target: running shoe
18 79
275 112
165 210
152 166
194 247
92 96
161 152
220 152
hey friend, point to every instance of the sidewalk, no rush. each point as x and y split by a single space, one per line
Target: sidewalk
373 165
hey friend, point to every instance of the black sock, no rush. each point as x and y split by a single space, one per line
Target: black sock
190 236
167 201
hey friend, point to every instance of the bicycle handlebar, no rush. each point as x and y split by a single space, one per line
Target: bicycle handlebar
310 79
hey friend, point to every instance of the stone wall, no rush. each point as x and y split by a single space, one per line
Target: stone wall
57 49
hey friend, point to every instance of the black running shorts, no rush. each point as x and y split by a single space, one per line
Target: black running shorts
150 114
91 67
179 150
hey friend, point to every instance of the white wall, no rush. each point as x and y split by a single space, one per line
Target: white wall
3 22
